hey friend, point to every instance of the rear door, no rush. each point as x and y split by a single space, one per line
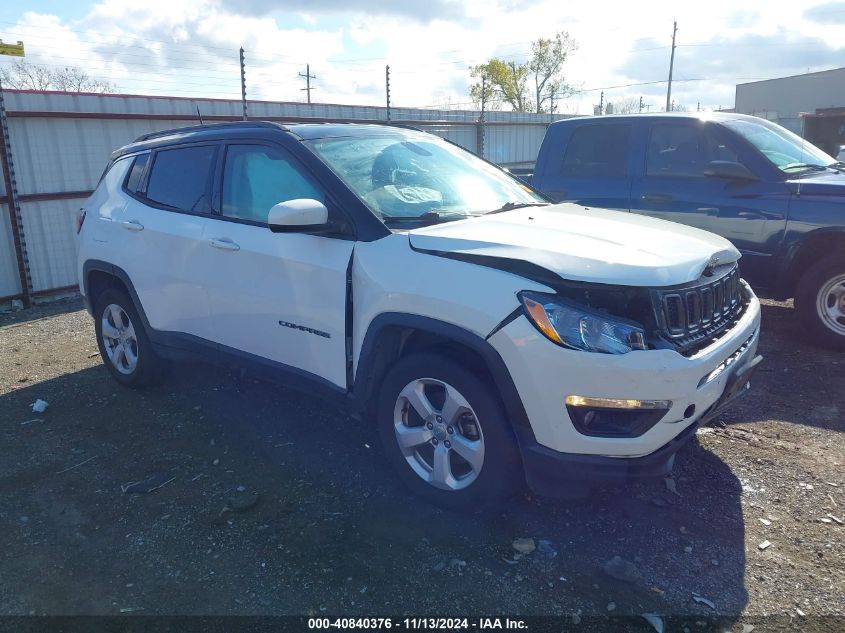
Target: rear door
593 168
162 227
278 297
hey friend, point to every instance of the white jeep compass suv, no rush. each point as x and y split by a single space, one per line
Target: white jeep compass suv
493 337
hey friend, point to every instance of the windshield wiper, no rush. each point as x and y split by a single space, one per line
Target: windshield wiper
431 217
814 167
510 206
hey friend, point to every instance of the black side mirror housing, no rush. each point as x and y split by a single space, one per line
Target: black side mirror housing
729 170
330 227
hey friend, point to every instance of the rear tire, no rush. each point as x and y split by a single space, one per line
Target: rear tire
123 341
445 433
820 302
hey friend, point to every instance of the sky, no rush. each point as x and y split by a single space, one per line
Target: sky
190 48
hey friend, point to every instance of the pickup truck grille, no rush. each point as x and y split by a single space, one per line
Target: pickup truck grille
693 315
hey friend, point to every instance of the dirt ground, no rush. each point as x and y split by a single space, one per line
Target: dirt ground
275 503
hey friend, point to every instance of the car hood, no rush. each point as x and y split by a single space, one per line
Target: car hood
829 183
580 244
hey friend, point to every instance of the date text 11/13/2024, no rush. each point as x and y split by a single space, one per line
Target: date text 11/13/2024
429 623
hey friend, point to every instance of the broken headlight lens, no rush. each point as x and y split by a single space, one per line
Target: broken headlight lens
578 327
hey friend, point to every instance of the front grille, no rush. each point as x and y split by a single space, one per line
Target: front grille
694 314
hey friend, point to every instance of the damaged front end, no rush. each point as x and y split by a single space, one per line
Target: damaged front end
685 317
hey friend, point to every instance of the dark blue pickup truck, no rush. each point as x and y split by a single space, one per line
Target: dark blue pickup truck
777 197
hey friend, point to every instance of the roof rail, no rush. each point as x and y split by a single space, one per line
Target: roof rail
205 126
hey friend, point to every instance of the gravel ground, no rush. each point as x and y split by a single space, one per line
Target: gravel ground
275 503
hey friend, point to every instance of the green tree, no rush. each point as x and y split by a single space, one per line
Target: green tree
505 82
510 82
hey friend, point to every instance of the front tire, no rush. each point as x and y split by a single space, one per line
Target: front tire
445 433
820 302
123 341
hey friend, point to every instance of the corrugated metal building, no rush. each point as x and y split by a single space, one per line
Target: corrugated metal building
783 100
60 143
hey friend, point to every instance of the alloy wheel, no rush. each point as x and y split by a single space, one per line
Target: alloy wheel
439 434
119 339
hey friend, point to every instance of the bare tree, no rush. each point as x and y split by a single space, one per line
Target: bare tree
547 59
626 106
25 76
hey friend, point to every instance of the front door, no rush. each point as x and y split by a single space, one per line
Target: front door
671 185
278 297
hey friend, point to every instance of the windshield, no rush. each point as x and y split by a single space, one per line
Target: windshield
410 177
785 150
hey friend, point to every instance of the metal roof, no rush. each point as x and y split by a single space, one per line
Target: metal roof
702 116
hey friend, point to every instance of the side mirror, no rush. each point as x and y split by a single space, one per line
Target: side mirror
293 216
729 170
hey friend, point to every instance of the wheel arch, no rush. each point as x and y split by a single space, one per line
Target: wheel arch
391 336
98 276
803 254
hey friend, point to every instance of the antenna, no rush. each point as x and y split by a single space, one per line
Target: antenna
199 116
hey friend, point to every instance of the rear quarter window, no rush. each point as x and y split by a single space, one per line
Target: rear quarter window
136 173
597 151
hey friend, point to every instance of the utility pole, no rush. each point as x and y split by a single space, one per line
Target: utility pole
601 103
481 130
7 166
243 82
671 66
387 88
641 104
308 77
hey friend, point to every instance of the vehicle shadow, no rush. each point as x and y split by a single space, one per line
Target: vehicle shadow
332 530
798 382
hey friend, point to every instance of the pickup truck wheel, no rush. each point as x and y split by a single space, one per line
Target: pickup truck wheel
124 345
445 432
820 302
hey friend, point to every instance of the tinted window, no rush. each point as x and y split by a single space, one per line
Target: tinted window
684 150
180 177
256 177
133 182
597 151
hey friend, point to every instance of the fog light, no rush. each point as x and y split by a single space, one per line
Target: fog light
613 417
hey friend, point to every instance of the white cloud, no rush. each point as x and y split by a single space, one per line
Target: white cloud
191 48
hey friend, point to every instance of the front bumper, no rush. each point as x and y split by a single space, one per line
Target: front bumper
549 472
698 386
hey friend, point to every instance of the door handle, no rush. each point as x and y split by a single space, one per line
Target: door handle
656 197
132 225
224 244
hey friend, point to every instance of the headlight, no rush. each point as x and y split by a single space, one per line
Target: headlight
577 327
